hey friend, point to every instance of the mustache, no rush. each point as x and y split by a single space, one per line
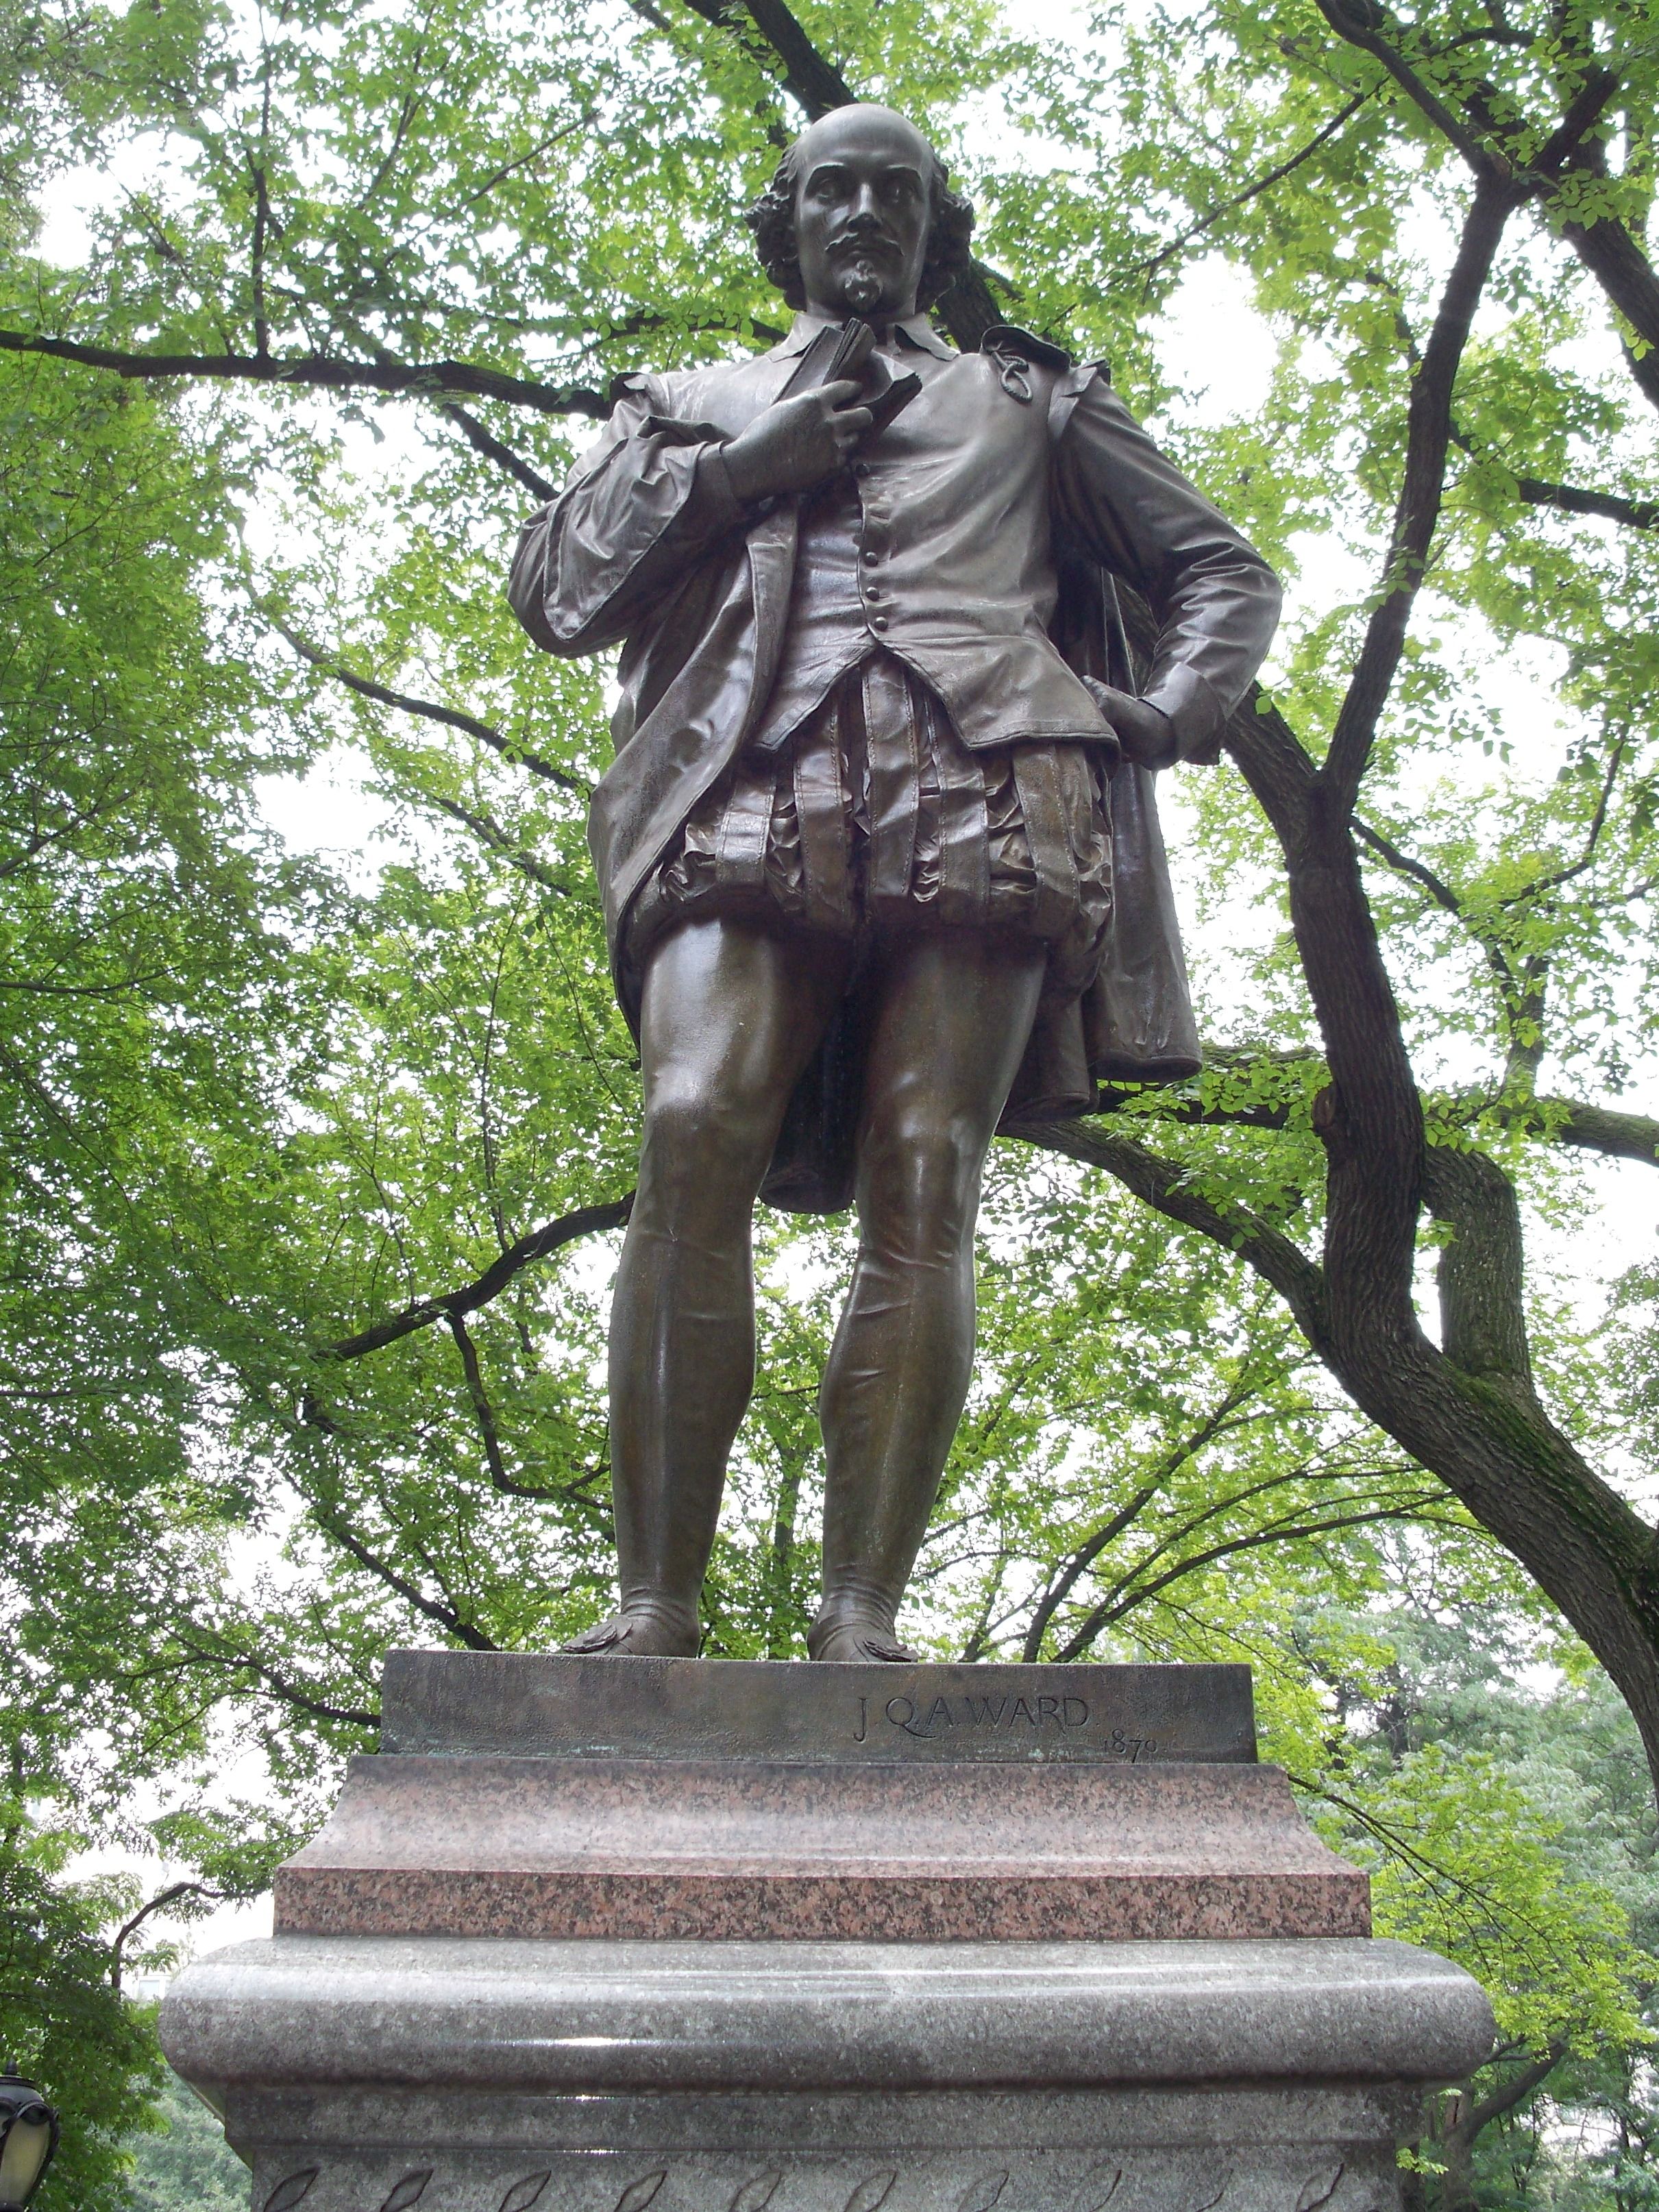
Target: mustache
861 238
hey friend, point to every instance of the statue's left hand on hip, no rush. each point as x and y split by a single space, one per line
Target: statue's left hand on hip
1145 732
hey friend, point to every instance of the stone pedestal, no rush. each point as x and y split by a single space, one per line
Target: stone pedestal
591 1935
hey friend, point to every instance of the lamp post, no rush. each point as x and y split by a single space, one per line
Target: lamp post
29 2137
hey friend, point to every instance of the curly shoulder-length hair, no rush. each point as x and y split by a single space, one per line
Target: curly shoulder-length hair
772 219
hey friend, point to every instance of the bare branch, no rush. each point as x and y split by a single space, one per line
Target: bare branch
320 372
452 718
1634 513
491 447
540 1244
1276 175
1428 437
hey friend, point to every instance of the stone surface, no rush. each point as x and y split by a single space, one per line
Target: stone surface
604 2016
525 1706
458 2011
944 1850
1290 2150
369 2076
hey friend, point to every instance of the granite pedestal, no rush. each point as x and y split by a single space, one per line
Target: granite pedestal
589 1935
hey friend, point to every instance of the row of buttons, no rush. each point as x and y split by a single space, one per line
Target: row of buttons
871 558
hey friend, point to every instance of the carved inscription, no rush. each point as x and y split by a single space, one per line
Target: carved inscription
1042 1719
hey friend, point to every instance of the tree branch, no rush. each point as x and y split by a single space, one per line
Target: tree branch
1634 513
540 1244
1519 2087
1614 258
1403 865
452 718
1428 437
157 1904
280 1686
1168 1188
1127 1594
1601 1129
492 449
488 832
411 1593
320 372
1276 175
484 1413
1348 21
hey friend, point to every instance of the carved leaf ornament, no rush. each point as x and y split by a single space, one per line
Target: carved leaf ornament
981 2195
408 2190
639 2194
523 2194
288 2193
756 2193
871 2192
1318 2190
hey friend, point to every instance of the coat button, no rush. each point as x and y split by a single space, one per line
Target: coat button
878 622
870 556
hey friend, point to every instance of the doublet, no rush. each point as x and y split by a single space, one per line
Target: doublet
952 551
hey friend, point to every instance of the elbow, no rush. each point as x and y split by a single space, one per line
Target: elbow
555 625
1272 592
566 636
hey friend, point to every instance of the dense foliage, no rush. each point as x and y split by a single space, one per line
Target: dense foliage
310 1170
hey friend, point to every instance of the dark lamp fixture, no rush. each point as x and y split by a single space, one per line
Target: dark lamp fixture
29 2137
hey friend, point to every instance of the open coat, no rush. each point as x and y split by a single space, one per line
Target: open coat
1005 502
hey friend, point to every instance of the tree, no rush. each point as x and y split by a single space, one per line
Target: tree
308 1180
305 244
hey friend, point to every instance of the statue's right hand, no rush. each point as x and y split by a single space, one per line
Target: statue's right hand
797 442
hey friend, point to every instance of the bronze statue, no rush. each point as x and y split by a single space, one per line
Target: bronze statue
878 855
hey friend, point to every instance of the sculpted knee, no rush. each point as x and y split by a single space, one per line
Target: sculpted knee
919 1187
700 1157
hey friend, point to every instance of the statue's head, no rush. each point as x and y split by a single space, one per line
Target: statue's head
860 219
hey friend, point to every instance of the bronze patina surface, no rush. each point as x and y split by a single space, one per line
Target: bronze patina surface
878 852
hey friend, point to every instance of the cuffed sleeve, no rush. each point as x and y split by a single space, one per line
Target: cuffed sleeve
641 504
1216 600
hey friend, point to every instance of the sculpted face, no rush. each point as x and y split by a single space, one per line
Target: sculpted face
864 205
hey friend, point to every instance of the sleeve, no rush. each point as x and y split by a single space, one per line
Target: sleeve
1216 600
641 504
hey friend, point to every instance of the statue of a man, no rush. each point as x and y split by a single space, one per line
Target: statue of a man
865 888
